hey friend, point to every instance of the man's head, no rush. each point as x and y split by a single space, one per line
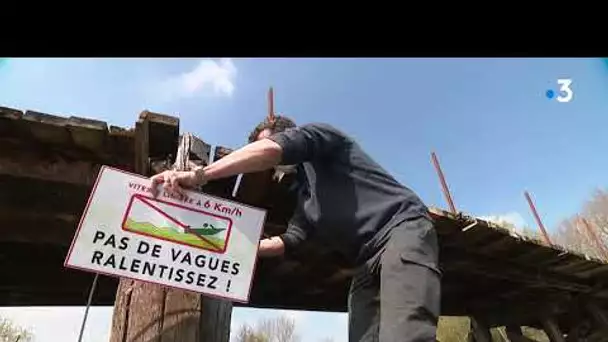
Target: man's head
267 127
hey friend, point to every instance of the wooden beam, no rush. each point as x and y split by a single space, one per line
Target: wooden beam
28 164
65 134
40 196
33 275
484 266
599 315
37 227
480 330
514 334
552 330
163 134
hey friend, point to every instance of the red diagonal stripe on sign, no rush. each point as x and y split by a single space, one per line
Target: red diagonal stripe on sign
172 219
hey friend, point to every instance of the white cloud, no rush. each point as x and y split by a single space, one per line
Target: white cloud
209 76
513 218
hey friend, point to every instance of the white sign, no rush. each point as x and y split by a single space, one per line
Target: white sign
194 241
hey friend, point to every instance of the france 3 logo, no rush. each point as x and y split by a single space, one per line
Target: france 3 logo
564 92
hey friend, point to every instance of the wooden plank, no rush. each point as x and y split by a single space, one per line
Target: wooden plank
50 282
10 122
450 226
47 128
514 334
10 113
42 196
142 147
534 253
486 267
55 169
163 135
80 145
41 228
87 133
501 312
119 150
501 244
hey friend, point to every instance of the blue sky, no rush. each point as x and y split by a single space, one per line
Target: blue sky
494 130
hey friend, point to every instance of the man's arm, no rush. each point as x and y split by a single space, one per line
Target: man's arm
284 243
297 232
292 146
308 142
257 156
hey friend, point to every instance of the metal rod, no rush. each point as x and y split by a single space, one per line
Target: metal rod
537 218
270 104
444 184
596 239
86 311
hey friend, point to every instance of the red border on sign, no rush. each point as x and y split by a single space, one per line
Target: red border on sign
147 201
86 210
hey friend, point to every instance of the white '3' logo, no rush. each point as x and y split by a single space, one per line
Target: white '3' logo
565 92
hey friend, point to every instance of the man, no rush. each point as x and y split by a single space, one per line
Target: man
352 204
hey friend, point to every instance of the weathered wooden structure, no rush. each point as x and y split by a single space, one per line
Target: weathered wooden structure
48 164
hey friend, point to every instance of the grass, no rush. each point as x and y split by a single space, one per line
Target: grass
170 234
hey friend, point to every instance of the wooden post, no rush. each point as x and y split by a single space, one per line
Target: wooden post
481 332
552 330
514 334
148 312
599 316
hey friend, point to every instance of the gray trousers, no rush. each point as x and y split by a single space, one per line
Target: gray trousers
395 295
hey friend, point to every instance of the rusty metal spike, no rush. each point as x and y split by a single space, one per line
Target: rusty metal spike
271 116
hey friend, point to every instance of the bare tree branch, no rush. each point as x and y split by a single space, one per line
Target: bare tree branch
10 332
281 329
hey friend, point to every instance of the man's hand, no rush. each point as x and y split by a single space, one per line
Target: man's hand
272 246
175 181
258 156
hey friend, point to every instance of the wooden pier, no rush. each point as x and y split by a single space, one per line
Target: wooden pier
48 164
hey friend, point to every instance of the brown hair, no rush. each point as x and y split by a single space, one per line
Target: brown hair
279 124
